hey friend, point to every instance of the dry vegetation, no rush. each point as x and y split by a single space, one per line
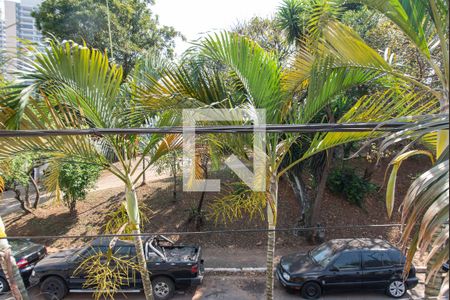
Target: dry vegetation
170 215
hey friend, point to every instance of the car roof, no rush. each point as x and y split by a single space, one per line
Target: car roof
105 241
360 244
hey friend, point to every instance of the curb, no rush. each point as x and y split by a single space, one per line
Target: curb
235 270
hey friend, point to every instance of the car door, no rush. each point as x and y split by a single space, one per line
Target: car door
375 274
78 277
344 272
128 253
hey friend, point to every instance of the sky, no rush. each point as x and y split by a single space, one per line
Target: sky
196 17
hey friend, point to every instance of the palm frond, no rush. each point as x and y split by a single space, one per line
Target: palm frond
258 71
80 76
393 103
410 15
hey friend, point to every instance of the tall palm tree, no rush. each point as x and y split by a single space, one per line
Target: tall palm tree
72 86
289 96
425 23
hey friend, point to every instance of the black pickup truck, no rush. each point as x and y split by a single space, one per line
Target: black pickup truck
171 266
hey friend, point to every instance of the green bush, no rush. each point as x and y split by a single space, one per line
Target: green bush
75 179
345 181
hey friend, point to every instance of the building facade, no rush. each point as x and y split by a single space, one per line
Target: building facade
17 24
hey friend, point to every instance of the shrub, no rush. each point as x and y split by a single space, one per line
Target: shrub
75 179
345 181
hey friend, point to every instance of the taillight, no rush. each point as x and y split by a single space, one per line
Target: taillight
22 263
194 269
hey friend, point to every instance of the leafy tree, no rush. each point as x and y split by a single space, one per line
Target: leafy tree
134 28
17 173
172 163
75 180
266 33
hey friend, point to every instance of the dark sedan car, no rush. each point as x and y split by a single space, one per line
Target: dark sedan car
27 254
347 264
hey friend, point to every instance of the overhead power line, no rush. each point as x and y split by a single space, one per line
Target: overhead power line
286 128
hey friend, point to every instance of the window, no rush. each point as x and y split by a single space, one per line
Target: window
348 261
393 257
373 259
322 254
93 250
121 251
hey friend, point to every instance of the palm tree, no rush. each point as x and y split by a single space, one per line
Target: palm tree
425 23
426 202
292 96
291 19
72 86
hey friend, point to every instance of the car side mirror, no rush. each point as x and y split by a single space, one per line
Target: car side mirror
334 269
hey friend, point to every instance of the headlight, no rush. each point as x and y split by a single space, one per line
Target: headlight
286 276
33 273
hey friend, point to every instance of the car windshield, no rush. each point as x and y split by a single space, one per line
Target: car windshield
322 255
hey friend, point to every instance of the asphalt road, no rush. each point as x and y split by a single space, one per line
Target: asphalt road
236 287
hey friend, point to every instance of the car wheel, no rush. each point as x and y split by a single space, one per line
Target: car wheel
396 289
311 290
4 286
54 288
163 288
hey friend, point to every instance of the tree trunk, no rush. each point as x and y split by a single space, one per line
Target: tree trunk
198 216
19 198
8 264
321 189
72 206
174 174
322 184
38 195
271 237
143 173
297 185
145 275
27 195
133 218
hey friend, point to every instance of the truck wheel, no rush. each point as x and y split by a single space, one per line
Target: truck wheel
311 290
4 286
163 288
54 288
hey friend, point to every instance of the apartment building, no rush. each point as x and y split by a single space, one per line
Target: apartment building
16 24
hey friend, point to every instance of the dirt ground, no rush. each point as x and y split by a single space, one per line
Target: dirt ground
165 214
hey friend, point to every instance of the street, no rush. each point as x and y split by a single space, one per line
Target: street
238 287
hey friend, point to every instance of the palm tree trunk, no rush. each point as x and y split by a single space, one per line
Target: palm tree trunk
8 264
272 223
133 217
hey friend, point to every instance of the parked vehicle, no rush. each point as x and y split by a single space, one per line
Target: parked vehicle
171 266
27 254
347 264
